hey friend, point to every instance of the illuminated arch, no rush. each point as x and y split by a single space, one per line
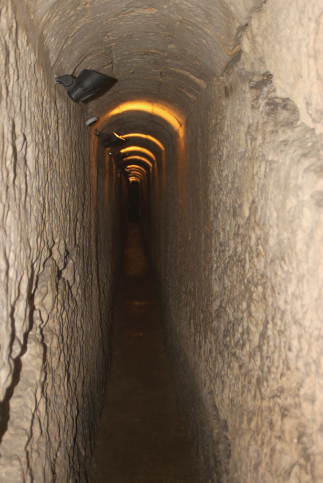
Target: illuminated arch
142 172
144 160
138 149
145 136
137 169
168 114
136 177
136 166
136 173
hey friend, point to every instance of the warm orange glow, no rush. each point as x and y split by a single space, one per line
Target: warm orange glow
136 176
134 171
145 136
137 168
175 121
173 117
138 148
145 160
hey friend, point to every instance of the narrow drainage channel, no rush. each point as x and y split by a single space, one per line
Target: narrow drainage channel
142 436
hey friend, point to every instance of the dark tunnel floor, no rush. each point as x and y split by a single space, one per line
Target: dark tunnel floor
142 436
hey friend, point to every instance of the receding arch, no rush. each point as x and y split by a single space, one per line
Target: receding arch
171 116
139 176
148 137
134 168
136 176
140 158
137 168
139 149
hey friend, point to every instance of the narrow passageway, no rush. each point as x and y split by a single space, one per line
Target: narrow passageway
203 122
142 435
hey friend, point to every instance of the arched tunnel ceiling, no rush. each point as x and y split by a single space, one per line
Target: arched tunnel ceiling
142 123
165 51
143 139
131 150
144 145
140 160
137 161
137 168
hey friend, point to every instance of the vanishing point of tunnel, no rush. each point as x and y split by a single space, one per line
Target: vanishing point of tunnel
208 367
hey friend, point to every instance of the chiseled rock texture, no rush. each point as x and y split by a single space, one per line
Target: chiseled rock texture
287 42
243 296
55 300
242 278
231 209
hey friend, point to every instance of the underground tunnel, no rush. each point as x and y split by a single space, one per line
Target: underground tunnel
221 106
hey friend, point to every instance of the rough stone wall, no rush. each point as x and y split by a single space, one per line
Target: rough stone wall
110 222
286 40
243 286
54 332
237 243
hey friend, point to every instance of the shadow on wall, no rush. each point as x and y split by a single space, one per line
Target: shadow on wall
211 441
5 403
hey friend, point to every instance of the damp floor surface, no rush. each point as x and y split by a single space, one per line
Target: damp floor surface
142 435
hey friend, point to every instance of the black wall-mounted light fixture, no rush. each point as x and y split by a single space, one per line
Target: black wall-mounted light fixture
110 140
87 83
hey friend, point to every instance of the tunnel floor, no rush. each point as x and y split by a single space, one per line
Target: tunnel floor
142 436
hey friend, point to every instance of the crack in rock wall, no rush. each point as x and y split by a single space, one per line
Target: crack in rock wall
58 272
242 286
287 42
242 278
234 217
